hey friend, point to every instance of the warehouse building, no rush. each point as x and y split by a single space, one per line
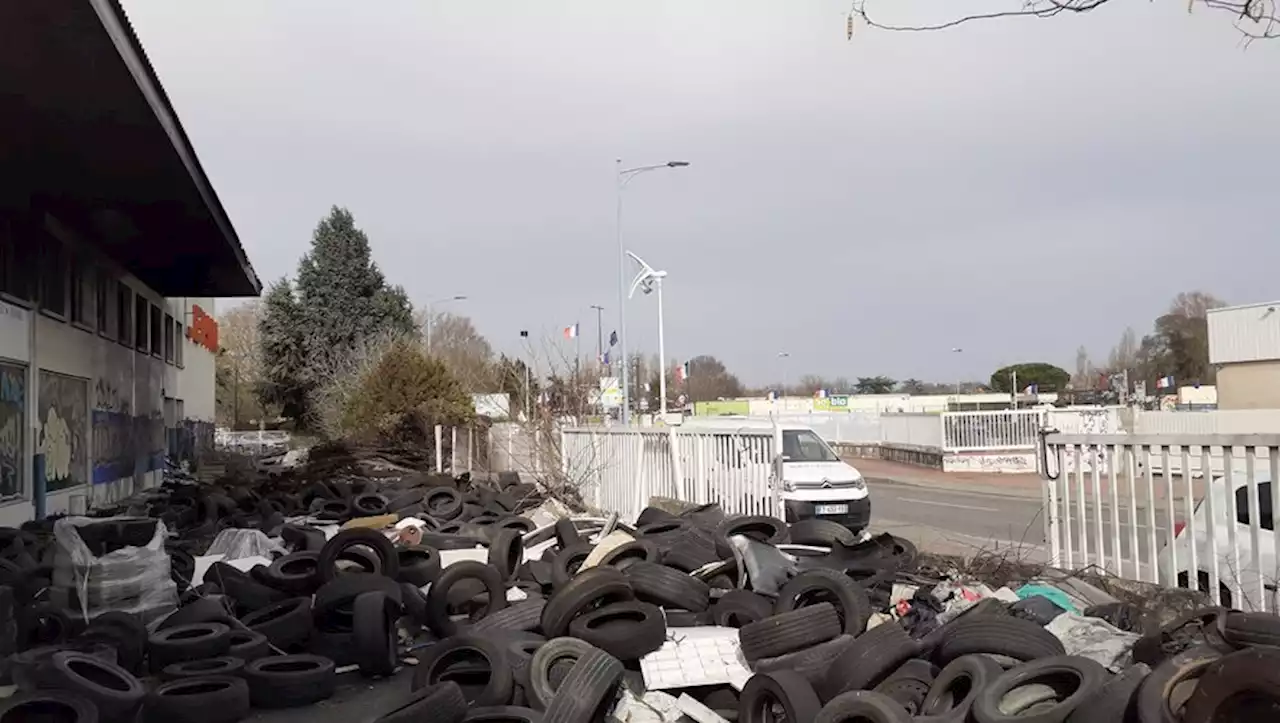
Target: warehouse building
113 245
1244 347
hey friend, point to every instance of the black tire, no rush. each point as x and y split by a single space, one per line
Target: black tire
488 576
1075 678
419 565
1117 701
43 624
442 703
1244 685
784 689
870 659
408 498
1205 626
958 685
567 562
566 533
225 665
908 693
523 525
587 693
788 632
374 540
506 552
334 510
333 602
1244 630
112 689
289 681
652 516
296 573
415 603
55 706
626 630
369 504
761 528
668 587
690 551
541 688
442 503
435 664
737 608
594 588
202 610
985 607
503 714
188 642
998 635
248 645
821 533
520 617
125 633
287 624
821 585
207 699
863 706
687 618
338 646
629 553
1159 699
374 634
812 663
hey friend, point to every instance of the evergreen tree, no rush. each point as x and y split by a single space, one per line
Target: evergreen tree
342 293
284 353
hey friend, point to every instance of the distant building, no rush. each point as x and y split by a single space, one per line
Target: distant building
1244 346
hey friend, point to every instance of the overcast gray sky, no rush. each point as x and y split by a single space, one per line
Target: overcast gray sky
1015 188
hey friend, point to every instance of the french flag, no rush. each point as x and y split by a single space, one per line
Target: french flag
571 332
682 373
1031 389
1164 383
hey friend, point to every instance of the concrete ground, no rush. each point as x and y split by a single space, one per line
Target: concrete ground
355 700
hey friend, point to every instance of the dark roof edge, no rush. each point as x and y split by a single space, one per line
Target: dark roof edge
122 34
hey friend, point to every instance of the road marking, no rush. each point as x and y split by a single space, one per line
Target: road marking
947 504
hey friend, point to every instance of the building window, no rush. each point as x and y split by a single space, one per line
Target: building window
81 288
124 314
157 334
179 342
19 254
1265 520
140 337
53 276
168 338
105 290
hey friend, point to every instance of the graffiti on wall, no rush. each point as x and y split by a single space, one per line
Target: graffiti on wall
114 450
64 408
13 405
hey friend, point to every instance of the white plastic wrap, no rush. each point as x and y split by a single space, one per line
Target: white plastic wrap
133 579
234 544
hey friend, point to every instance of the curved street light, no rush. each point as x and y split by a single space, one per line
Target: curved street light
624 176
648 280
431 317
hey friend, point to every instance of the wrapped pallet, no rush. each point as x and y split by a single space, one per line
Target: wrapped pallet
113 563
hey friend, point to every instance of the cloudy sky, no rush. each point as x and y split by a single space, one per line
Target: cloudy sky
1015 188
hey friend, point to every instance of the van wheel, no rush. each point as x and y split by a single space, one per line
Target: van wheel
1202 578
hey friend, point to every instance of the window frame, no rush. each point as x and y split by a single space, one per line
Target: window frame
155 321
169 340
47 267
1265 513
16 255
104 318
141 324
179 343
124 314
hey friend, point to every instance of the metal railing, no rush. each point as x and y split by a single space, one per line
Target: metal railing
991 431
618 470
1137 518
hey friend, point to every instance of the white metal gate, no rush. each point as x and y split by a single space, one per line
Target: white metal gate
618 470
1178 510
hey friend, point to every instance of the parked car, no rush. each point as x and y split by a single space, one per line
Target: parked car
815 482
1230 575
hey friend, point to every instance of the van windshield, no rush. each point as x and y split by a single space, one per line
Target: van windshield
805 446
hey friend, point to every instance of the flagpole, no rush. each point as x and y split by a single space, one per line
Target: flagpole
577 364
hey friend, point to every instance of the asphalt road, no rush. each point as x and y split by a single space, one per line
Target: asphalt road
965 522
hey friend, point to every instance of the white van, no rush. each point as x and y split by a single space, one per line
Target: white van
1245 575
816 483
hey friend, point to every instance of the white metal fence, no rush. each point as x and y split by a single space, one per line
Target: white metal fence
618 469
1135 519
918 430
991 431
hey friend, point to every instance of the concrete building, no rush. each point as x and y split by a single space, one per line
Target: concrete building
1244 346
112 247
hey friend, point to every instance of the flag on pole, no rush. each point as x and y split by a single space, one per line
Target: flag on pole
1164 383
613 338
820 394
604 358
682 373
571 332
1032 389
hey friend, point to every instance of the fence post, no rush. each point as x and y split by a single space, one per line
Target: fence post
439 449
537 451
701 472
564 458
511 433
676 467
453 450
641 482
595 462
471 445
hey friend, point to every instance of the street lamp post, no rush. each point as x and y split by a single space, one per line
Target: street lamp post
648 280
783 356
624 177
431 317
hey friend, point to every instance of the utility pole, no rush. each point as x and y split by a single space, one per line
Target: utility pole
1014 373
599 332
